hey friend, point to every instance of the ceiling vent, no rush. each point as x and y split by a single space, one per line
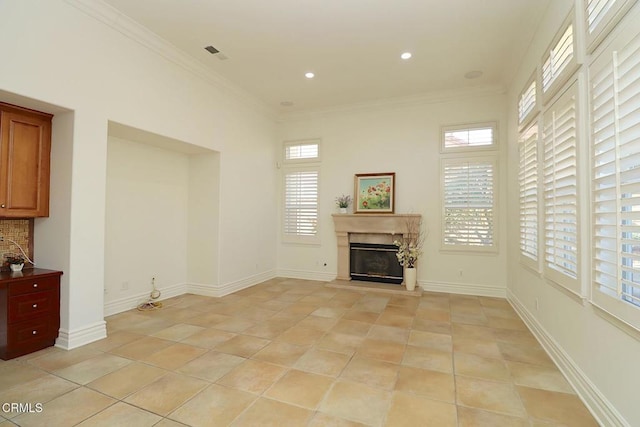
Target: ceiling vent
212 50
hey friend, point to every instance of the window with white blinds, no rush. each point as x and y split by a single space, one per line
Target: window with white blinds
527 102
528 182
601 16
301 203
561 246
301 181
469 137
559 62
469 205
615 175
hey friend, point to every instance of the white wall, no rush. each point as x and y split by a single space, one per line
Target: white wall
203 222
598 357
146 220
104 72
405 139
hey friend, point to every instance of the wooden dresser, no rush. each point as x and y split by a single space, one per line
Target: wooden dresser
29 311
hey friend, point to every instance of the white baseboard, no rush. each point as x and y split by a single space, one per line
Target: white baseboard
127 303
603 411
69 340
463 289
307 275
231 287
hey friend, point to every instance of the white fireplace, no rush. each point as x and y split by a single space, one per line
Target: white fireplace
366 228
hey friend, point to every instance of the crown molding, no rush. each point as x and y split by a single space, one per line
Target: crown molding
434 97
115 19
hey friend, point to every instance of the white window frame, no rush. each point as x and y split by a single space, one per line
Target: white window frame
613 127
453 160
612 12
469 127
293 166
552 268
559 78
525 117
529 204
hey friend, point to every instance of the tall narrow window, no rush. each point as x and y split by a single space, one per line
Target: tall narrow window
528 180
561 192
615 175
301 182
469 203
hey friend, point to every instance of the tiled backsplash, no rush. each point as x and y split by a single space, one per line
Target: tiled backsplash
19 230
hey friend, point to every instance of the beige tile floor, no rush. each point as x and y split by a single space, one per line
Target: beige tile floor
298 353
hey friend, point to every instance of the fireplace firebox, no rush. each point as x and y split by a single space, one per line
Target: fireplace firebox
375 263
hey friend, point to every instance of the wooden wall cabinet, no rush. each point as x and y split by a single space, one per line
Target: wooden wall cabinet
25 152
29 311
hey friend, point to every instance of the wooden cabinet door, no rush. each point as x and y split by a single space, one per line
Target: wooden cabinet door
24 163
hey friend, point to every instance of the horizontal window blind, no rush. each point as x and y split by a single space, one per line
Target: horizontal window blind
596 11
528 182
560 191
469 203
301 203
615 174
558 58
481 136
527 102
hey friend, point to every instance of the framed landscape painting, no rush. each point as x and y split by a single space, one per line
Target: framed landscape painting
375 192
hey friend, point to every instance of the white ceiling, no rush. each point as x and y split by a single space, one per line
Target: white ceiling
353 46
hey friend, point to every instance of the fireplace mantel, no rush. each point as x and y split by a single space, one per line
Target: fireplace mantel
348 224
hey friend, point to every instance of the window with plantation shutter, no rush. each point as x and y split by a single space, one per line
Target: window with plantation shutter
527 102
301 203
615 175
559 62
601 17
528 181
561 248
301 180
469 203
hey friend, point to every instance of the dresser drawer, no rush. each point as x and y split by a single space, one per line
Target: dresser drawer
25 334
33 284
29 306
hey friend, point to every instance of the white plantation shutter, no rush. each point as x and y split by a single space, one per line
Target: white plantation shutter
601 16
528 180
301 179
596 11
527 102
615 175
560 191
469 203
301 203
558 59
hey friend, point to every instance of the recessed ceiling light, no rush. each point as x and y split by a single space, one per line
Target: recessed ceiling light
309 75
406 55
473 74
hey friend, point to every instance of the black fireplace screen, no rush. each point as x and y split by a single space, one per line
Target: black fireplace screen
375 263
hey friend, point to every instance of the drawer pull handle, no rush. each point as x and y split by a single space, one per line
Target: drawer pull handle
35 305
35 285
34 332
